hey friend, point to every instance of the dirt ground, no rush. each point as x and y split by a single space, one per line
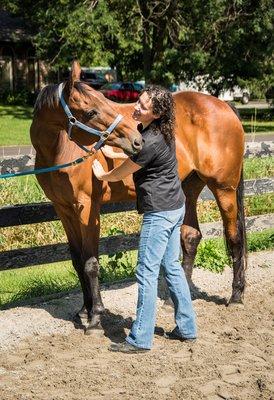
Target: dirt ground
43 356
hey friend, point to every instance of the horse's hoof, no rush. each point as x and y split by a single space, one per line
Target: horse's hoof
80 318
96 330
82 314
235 302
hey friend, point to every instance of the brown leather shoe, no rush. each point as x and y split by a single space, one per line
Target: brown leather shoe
126 347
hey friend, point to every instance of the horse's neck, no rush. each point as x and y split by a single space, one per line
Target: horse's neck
124 109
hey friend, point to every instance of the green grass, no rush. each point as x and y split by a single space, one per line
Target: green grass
258 168
257 114
212 255
15 122
258 127
21 190
26 283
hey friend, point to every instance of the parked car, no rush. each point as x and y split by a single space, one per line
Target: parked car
139 85
123 92
92 79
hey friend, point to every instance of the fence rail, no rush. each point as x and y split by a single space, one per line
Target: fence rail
44 212
39 255
25 214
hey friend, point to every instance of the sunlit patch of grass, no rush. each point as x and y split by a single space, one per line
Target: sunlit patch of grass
212 254
258 168
208 211
21 190
15 122
38 281
18 237
258 127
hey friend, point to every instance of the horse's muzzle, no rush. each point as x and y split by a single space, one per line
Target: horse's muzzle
137 145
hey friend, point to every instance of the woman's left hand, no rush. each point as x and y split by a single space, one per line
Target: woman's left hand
98 170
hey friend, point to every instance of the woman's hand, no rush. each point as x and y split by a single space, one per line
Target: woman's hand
98 170
109 153
117 174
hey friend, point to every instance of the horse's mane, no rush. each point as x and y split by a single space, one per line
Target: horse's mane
48 97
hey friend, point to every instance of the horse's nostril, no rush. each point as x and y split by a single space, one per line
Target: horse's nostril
137 144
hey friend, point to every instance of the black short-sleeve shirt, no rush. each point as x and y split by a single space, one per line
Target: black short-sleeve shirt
158 187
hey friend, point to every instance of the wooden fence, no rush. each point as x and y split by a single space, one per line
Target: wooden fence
44 212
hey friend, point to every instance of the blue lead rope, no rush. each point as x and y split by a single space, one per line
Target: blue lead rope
43 170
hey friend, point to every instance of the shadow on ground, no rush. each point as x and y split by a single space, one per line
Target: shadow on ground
19 112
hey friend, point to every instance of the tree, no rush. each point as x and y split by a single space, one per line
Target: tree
226 42
91 31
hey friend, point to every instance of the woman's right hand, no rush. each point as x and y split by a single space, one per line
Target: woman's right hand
109 153
98 170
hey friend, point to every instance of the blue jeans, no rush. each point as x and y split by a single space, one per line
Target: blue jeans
160 245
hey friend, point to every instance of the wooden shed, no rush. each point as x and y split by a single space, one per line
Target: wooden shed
19 67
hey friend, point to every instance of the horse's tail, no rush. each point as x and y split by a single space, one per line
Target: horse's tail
236 111
241 218
241 228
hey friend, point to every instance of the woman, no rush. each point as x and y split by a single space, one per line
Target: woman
161 200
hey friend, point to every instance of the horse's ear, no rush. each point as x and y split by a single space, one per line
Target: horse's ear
75 73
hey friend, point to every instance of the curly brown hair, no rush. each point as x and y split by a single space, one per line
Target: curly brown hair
163 105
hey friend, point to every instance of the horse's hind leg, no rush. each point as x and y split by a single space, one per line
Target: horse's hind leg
190 231
230 203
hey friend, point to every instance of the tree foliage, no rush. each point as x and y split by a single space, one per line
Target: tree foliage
226 42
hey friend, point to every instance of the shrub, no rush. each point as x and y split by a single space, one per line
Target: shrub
211 256
22 98
119 265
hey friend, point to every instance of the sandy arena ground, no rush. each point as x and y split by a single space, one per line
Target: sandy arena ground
43 356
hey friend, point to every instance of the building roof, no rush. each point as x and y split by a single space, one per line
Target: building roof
13 29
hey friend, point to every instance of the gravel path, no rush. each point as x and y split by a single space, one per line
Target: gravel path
43 356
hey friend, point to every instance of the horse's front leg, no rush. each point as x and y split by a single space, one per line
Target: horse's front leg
90 231
91 270
70 222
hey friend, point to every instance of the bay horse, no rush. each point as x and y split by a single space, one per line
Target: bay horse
209 149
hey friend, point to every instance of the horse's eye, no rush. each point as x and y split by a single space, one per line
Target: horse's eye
91 114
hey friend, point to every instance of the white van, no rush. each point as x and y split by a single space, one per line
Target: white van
234 94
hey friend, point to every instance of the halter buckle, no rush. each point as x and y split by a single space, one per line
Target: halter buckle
72 120
105 135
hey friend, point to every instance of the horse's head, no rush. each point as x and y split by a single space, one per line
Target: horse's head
91 108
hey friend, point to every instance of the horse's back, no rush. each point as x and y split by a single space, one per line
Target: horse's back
210 137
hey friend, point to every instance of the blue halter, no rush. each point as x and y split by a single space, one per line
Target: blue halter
103 135
72 121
